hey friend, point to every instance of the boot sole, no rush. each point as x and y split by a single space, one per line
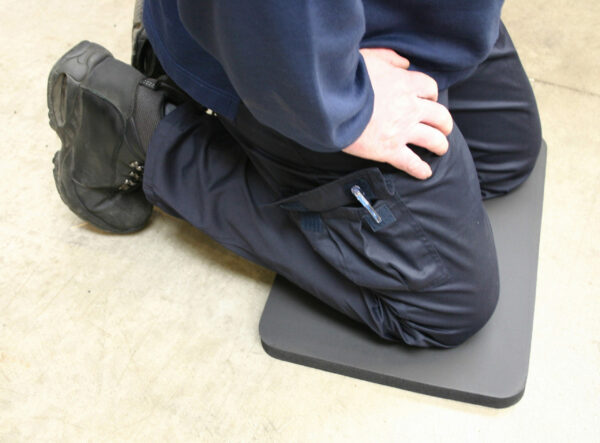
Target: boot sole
64 105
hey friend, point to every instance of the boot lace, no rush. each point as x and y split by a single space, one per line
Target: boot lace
135 176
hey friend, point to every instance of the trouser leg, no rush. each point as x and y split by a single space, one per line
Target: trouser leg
496 111
426 276
195 170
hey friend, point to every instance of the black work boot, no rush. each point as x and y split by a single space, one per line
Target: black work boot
104 112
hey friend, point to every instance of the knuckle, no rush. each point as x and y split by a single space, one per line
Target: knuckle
438 143
449 123
413 165
443 145
444 118
431 84
427 84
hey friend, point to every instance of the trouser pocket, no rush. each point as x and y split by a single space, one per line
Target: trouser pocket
360 225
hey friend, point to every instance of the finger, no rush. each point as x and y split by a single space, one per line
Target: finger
393 58
389 56
406 160
436 115
429 138
424 85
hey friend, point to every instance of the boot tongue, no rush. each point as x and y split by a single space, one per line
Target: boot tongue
99 137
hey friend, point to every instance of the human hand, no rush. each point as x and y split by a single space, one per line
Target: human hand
405 111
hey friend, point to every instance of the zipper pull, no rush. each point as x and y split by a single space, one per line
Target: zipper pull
357 192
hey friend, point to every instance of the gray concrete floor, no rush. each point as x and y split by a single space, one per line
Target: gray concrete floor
154 336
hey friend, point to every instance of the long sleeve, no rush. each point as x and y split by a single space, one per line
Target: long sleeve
295 65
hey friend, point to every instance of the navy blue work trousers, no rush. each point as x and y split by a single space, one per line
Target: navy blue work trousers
426 273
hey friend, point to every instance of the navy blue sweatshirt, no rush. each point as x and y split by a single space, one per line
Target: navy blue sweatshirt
296 64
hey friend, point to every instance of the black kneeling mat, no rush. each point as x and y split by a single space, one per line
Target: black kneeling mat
488 369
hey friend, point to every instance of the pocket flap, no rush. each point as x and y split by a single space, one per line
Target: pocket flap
337 193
